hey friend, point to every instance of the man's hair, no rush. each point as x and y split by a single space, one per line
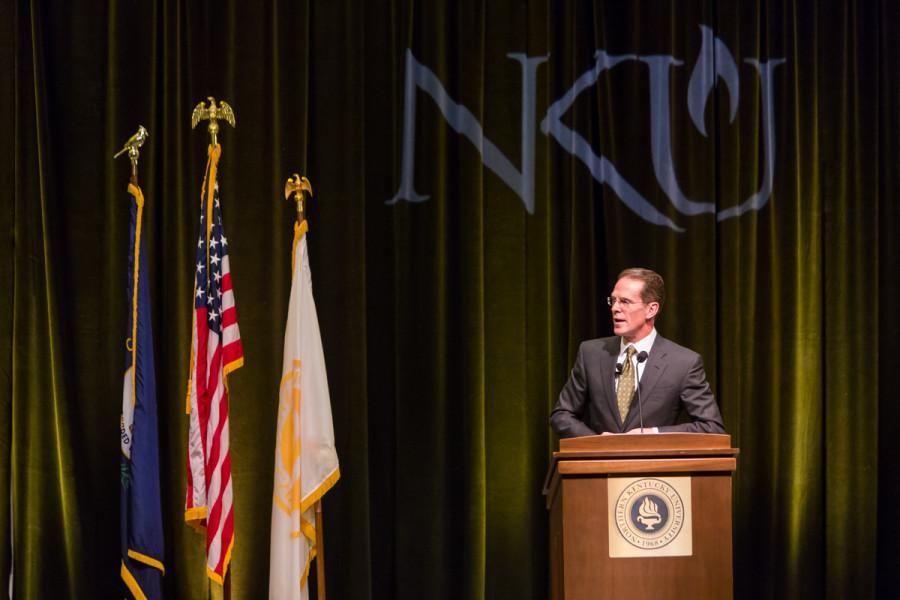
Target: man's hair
654 286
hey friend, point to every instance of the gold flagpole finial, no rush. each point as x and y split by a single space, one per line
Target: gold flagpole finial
299 188
212 113
131 146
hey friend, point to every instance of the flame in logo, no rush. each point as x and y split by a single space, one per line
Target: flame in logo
648 514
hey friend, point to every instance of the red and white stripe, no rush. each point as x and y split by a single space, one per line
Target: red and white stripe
209 498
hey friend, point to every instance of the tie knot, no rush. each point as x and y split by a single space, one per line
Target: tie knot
629 351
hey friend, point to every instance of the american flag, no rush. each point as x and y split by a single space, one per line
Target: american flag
215 351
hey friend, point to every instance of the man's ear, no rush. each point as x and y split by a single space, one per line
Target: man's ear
652 309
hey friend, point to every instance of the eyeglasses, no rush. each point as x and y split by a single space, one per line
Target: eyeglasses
625 302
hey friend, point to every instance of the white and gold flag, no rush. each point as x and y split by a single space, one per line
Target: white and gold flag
306 463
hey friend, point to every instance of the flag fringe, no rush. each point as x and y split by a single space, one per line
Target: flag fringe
147 560
220 579
131 583
316 495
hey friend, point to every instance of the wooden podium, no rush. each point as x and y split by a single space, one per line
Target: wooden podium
641 516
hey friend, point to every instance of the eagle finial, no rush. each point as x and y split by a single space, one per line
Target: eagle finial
298 187
212 113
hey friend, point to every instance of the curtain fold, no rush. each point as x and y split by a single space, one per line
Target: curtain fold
745 151
888 260
46 493
8 45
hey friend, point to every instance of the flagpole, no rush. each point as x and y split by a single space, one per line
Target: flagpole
297 188
131 147
213 113
320 552
141 533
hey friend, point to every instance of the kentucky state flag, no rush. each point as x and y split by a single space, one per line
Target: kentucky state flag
141 513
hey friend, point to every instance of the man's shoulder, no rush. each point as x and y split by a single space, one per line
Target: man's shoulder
666 346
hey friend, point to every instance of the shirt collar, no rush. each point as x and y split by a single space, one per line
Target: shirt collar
643 345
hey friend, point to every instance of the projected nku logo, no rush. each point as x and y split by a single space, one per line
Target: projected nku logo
650 517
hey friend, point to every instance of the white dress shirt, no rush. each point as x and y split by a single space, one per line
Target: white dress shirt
642 345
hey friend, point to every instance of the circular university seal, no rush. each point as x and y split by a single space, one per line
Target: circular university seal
649 514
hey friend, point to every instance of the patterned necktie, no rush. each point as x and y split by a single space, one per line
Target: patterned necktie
625 391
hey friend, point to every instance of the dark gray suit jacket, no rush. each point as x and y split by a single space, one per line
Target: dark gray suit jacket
672 379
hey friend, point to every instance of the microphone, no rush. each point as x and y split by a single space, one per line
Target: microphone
619 367
641 357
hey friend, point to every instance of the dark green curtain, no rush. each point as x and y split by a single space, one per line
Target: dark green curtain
449 325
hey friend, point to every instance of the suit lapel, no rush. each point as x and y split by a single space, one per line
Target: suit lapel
610 354
655 366
653 370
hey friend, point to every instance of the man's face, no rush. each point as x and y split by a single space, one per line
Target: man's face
632 318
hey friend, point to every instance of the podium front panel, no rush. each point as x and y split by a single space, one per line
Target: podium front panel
577 488
587 571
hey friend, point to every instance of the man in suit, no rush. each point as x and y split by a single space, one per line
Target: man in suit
600 395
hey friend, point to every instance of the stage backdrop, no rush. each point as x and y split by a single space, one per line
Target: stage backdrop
482 172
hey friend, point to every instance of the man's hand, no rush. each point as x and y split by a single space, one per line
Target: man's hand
635 430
